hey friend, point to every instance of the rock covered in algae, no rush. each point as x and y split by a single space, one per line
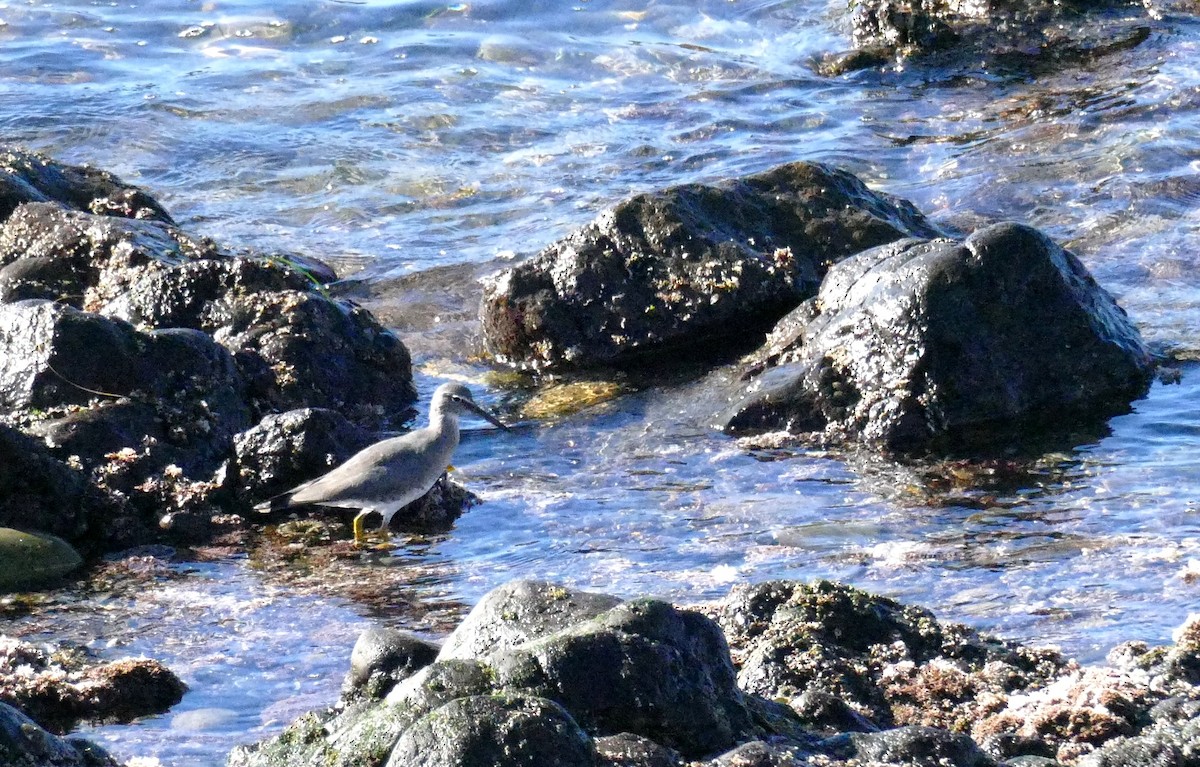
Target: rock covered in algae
33 559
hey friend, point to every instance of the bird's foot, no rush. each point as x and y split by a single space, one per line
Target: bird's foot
379 540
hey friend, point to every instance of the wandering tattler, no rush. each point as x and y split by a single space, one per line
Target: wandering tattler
390 474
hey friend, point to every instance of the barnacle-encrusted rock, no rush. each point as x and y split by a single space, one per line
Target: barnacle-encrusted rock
687 267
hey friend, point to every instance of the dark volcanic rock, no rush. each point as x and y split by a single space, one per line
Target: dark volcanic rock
1173 739
295 345
658 677
24 744
643 684
642 667
518 612
31 177
321 353
137 351
38 492
688 266
1005 37
892 663
916 746
381 658
286 449
761 753
85 259
629 750
921 343
172 388
495 730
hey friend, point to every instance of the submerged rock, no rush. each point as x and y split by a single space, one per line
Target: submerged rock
688 267
920 343
28 560
24 744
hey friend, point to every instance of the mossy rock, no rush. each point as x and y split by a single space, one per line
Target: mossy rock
33 559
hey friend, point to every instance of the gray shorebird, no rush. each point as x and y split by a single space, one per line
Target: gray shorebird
394 472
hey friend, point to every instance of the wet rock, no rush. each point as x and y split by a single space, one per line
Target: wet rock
285 449
268 310
495 730
137 351
1138 708
1182 661
29 560
521 611
437 509
60 689
85 259
1090 707
321 353
890 663
917 746
24 744
31 177
641 669
1003 37
175 390
687 267
38 492
921 344
364 733
1007 746
381 658
822 712
761 753
628 750
1173 738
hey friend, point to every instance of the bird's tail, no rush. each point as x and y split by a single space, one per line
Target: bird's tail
277 503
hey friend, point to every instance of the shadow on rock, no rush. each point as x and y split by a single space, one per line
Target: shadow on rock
940 345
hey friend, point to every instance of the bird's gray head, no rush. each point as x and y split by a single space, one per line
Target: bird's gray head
454 399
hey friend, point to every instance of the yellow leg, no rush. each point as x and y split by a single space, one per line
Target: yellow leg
360 537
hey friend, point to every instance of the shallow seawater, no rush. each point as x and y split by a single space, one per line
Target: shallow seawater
391 138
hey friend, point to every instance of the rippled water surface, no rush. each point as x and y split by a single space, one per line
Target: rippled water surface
393 137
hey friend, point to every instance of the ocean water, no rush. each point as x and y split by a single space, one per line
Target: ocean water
395 138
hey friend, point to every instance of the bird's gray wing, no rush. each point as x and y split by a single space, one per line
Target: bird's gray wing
388 473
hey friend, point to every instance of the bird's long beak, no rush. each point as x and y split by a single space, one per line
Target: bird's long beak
485 415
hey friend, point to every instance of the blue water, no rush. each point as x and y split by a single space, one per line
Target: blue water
390 138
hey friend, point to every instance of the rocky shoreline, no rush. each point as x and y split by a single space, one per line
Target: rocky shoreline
156 385
779 673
